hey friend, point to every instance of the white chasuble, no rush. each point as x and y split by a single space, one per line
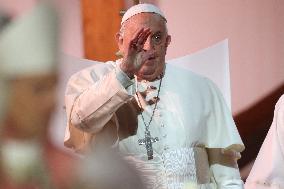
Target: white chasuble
192 122
191 116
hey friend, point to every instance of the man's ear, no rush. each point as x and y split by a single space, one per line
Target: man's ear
168 40
119 39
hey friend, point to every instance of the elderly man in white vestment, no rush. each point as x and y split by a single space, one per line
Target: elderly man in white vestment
171 124
268 169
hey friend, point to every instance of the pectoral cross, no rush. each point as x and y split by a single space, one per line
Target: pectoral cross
147 141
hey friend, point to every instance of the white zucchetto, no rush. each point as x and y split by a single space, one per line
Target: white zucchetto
142 8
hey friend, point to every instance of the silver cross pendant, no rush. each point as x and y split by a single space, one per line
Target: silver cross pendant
147 141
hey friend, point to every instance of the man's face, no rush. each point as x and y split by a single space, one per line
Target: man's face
31 103
157 42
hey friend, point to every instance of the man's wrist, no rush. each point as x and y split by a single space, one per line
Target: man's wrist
126 70
131 76
123 78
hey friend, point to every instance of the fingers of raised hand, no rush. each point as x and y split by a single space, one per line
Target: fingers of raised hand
143 37
140 38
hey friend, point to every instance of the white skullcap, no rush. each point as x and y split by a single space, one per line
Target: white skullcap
142 8
28 46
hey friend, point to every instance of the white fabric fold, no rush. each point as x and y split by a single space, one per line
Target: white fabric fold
268 169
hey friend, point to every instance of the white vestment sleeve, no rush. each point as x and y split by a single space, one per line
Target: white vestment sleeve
93 96
268 169
225 169
224 143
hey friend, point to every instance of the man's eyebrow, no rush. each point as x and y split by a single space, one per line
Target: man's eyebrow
158 32
161 33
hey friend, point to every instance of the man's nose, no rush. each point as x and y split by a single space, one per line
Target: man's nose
148 44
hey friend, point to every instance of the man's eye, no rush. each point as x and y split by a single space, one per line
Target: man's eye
156 38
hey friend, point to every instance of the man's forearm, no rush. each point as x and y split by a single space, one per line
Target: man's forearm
225 168
95 106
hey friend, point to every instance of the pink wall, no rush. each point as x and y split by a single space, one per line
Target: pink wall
129 3
16 7
70 16
71 27
255 30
